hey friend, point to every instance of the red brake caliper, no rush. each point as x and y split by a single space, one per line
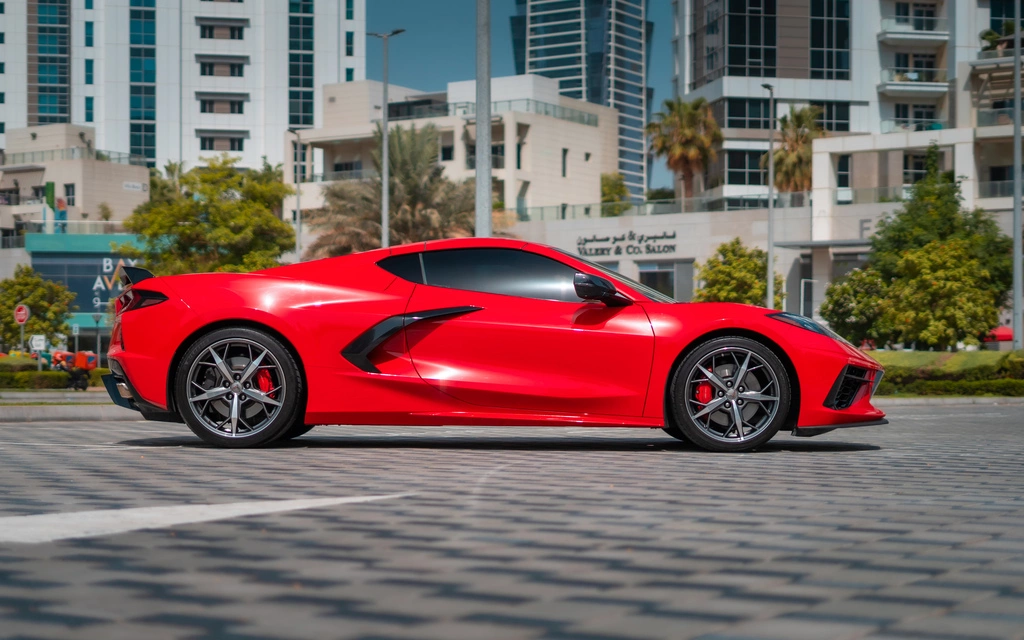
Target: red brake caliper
705 393
264 382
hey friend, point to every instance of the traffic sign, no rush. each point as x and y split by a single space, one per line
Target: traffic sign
38 342
21 314
74 329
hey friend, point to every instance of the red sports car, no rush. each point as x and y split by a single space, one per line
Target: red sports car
472 332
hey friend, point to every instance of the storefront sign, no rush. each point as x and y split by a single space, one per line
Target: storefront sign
135 186
92 277
629 244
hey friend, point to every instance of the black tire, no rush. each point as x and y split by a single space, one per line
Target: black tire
296 430
762 407
673 429
273 412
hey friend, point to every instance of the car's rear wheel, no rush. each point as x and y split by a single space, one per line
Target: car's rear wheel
730 394
238 387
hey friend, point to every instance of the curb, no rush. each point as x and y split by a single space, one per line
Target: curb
947 401
67 413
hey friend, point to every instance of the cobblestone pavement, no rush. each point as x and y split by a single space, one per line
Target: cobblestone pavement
914 530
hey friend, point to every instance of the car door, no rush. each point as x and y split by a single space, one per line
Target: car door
512 334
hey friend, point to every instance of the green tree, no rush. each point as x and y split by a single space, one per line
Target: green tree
50 303
737 274
614 194
219 219
793 155
424 204
934 213
686 135
853 307
943 296
661 193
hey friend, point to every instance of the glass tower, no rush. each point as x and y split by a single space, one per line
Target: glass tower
597 50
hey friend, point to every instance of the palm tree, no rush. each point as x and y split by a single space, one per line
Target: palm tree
424 204
793 156
685 134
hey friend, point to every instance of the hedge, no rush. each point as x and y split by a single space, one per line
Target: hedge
1004 387
96 377
34 380
12 364
954 369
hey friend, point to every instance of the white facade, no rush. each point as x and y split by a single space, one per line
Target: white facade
197 93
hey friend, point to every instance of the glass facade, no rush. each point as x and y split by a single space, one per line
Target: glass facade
142 77
830 39
300 63
597 50
49 77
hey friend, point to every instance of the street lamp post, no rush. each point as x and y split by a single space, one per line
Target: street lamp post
385 169
483 119
300 177
771 196
1018 191
99 348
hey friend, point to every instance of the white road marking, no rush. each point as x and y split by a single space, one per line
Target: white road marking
49 527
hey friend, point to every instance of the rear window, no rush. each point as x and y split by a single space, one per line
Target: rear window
406 266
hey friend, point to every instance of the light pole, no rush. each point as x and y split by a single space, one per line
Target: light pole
385 170
1018 187
483 118
300 177
99 349
771 197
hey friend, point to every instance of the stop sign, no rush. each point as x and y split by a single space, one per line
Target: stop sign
21 314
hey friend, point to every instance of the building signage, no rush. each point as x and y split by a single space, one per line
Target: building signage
92 277
135 186
627 244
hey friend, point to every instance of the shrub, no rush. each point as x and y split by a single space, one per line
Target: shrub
34 380
1004 387
17 363
96 377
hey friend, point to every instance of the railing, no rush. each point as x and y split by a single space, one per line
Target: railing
12 242
338 176
523 105
908 74
994 117
903 125
82 227
497 162
871 195
995 53
915 23
14 199
73 153
1001 189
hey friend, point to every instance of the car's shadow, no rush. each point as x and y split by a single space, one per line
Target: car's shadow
568 443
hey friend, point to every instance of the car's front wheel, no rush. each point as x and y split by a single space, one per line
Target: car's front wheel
730 394
238 387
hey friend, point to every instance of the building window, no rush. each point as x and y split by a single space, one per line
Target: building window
300 63
142 62
565 163
89 108
142 139
751 34
350 75
142 27
835 116
2 8
747 113
744 167
206 68
69 194
660 276
349 9
1001 12
237 144
299 162
206 143
237 106
3 127
88 4
221 106
143 102
350 46
843 172
915 168
237 69
2 68
88 34
207 31
830 39
88 70
3 97
237 33
1 37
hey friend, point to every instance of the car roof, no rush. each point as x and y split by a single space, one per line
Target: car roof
460 243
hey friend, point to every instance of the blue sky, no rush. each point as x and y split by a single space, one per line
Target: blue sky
439 47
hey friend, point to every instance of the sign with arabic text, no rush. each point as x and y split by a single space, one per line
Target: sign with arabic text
630 244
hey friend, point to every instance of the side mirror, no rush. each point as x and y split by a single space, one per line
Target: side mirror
591 287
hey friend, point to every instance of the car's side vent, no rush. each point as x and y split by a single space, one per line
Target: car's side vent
847 387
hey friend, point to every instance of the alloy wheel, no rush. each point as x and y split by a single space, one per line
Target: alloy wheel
732 395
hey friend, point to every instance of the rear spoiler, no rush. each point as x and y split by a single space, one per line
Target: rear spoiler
133 275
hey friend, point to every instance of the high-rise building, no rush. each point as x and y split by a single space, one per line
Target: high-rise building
598 52
177 79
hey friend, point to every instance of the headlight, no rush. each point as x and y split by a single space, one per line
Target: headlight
806 323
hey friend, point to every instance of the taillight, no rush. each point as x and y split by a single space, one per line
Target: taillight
137 299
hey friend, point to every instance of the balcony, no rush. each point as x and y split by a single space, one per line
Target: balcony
468 110
74 153
74 227
14 200
994 117
905 125
872 195
339 176
905 82
497 162
900 30
1002 189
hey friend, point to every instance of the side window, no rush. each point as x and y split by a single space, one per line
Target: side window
406 267
507 272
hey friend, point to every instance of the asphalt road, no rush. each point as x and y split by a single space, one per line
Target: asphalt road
914 530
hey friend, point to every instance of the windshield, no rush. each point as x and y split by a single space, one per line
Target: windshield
653 294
